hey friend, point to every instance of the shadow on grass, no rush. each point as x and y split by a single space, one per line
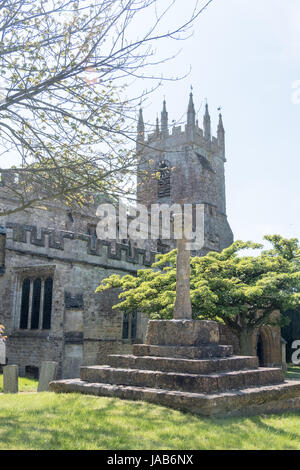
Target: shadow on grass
293 372
70 422
49 421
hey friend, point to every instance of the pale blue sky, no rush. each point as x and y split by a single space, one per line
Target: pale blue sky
245 56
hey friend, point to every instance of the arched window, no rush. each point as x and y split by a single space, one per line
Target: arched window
133 326
129 326
48 288
25 304
164 182
36 303
125 328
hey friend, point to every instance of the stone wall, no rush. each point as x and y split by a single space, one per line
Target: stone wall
84 328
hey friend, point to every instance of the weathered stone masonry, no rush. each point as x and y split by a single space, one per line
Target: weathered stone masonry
54 245
84 328
191 165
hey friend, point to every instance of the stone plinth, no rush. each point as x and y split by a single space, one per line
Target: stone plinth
48 373
183 366
182 332
10 379
258 400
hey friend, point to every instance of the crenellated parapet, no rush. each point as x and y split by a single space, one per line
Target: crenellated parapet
164 134
66 245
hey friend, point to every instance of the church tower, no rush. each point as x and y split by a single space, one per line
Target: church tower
176 164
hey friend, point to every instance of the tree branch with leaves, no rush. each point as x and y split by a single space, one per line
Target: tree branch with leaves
64 116
239 291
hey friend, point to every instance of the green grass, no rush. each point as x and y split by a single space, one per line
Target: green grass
293 372
70 421
25 384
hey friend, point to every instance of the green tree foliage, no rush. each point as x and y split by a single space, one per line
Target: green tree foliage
64 116
240 291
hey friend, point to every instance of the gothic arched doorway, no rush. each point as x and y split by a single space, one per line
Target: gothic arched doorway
268 347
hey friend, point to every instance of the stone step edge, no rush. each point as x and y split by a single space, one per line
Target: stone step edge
183 361
182 346
215 359
181 374
248 401
185 352
199 383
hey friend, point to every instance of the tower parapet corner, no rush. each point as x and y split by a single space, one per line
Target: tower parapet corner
177 130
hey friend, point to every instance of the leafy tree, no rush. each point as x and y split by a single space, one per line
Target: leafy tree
63 113
240 291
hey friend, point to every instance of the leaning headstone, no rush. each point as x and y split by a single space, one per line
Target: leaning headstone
10 379
47 375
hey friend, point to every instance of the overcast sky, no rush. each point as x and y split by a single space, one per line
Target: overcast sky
245 56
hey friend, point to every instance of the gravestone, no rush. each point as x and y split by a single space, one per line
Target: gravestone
2 353
47 374
10 379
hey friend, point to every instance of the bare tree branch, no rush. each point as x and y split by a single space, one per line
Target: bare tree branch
64 116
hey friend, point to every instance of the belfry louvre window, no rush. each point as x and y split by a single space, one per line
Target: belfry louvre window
164 182
36 303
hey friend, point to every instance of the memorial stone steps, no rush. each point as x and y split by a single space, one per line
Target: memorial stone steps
182 366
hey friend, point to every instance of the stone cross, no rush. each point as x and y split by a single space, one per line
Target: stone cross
183 306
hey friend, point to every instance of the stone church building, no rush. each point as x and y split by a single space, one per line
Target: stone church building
51 260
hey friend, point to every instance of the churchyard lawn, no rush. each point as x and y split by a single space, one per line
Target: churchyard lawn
70 421
25 384
293 372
